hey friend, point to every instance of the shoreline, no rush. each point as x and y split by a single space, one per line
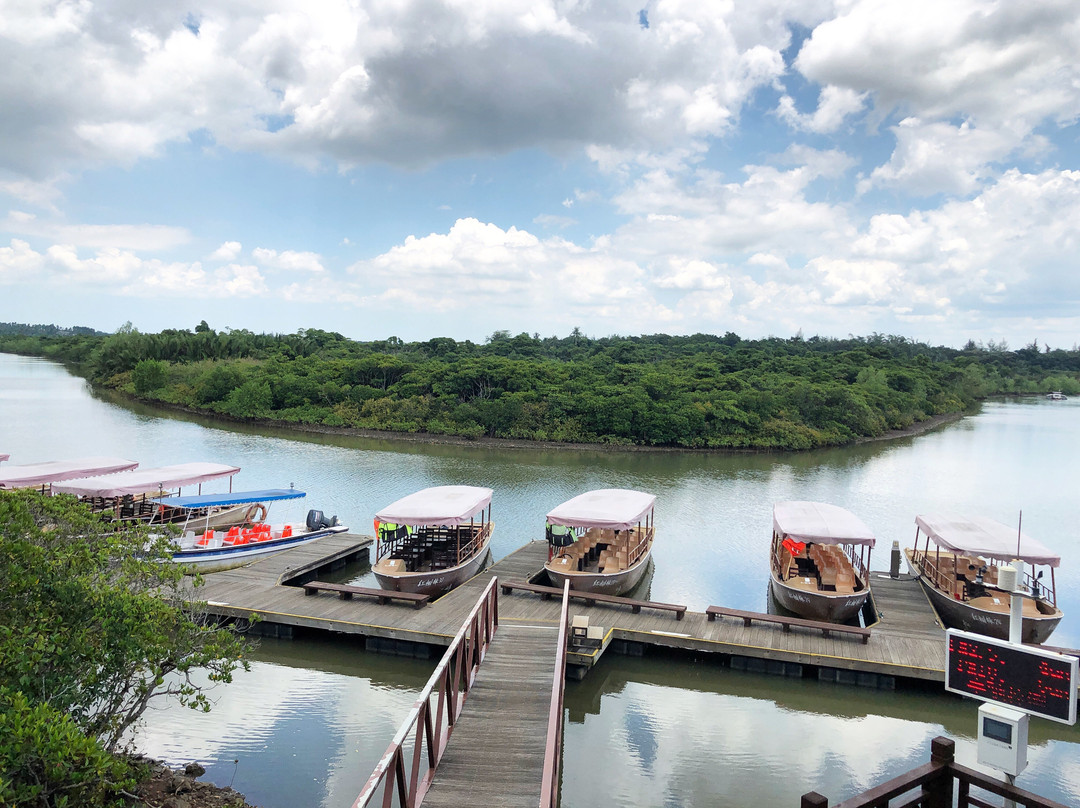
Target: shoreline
427 438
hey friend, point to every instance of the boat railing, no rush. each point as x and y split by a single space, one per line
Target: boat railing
930 569
549 788
644 536
432 718
941 783
475 542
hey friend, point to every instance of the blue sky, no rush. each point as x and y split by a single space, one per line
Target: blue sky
423 168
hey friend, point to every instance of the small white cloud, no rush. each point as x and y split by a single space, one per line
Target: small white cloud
555 222
227 251
568 203
291 260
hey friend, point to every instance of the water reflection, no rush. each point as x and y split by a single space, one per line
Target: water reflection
305 726
679 733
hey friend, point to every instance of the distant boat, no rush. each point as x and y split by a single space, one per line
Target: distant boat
136 494
1057 395
433 540
601 541
820 560
45 475
960 576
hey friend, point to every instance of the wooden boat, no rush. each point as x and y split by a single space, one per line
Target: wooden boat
820 560
601 541
960 576
44 475
136 495
211 550
433 539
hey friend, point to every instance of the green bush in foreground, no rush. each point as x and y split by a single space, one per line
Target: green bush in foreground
95 627
46 760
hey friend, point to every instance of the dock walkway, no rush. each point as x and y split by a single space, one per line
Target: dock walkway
496 755
906 642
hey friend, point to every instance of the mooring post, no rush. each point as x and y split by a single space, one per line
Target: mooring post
894 562
938 793
814 800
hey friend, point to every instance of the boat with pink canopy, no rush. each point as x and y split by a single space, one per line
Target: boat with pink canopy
960 575
133 494
820 560
44 475
434 539
601 541
4 457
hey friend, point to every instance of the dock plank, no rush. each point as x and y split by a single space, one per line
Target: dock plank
496 754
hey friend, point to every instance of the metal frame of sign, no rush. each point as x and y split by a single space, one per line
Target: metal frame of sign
1028 679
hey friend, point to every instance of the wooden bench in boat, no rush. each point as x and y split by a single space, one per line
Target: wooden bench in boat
787 622
345 592
591 598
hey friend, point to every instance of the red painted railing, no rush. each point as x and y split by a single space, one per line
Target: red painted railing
941 783
549 789
432 718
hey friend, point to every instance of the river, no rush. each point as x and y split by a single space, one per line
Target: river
307 724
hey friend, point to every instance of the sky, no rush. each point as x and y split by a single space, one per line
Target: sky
423 168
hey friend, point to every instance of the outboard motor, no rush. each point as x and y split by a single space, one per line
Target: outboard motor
316 520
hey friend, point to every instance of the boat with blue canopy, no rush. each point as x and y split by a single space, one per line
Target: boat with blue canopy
210 546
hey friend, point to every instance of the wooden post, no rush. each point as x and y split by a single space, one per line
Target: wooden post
938 793
813 800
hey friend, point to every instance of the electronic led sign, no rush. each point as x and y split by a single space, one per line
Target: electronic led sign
1038 682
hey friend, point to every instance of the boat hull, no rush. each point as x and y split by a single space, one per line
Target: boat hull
219 559
604 583
966 617
818 605
434 582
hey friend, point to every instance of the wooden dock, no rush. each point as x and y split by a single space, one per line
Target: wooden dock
496 756
907 642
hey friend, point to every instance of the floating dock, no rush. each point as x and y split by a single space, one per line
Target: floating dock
906 642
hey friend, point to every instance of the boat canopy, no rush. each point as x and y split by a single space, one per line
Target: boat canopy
237 498
820 522
4 457
56 471
145 480
443 505
610 508
985 537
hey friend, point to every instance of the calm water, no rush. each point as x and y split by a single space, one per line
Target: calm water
308 723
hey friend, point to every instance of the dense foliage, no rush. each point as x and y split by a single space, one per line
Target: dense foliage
697 391
95 627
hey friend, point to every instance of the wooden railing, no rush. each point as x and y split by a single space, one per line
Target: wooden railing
429 724
934 785
549 788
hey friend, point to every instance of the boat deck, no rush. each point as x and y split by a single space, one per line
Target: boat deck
907 640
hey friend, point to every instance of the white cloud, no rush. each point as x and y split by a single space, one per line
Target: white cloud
60 266
290 260
407 83
145 237
835 105
229 251
935 158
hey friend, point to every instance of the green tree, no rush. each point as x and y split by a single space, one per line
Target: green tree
95 625
149 375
